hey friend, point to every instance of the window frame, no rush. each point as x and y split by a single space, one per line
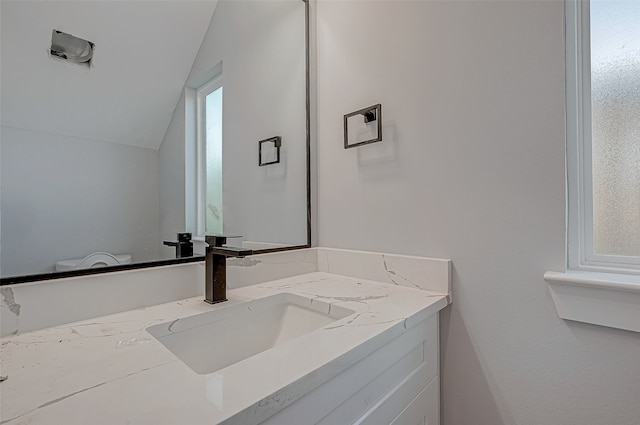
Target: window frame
195 156
580 255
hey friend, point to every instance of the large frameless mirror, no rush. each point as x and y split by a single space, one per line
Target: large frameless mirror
162 130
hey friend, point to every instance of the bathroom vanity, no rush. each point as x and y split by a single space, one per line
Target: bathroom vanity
325 346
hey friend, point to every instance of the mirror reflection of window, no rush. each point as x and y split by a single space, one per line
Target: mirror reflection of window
212 93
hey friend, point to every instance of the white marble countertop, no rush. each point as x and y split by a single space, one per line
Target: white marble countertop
110 370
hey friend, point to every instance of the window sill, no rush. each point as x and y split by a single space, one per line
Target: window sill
598 298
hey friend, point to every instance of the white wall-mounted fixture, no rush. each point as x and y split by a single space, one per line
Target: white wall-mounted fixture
70 48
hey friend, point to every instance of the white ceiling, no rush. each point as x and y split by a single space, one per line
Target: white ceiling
144 51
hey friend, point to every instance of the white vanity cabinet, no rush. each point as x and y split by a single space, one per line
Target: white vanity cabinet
397 384
376 362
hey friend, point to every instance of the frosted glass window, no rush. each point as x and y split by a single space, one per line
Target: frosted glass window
615 122
213 128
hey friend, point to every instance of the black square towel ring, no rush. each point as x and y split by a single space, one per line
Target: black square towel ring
266 155
370 114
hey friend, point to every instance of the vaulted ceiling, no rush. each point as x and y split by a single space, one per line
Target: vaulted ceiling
144 51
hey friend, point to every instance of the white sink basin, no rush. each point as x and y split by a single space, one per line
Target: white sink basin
211 341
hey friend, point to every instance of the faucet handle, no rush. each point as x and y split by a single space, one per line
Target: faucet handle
217 239
230 251
184 246
184 237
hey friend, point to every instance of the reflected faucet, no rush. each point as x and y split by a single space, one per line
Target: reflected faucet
184 246
215 289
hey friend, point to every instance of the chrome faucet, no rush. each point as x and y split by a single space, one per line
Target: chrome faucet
215 289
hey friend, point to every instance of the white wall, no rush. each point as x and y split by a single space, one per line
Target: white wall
65 197
136 75
172 181
471 168
261 48
55 113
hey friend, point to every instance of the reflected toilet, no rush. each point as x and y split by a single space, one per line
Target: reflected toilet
97 259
